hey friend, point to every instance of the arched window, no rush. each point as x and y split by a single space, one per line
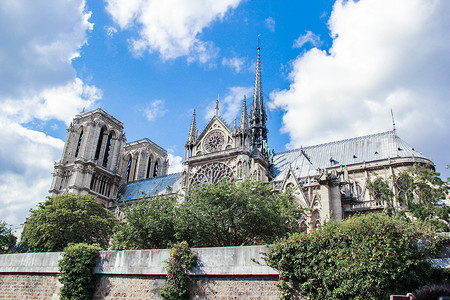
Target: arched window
79 143
148 167
107 150
99 144
129 169
155 169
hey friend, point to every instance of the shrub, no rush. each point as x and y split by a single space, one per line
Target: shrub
76 271
366 257
181 260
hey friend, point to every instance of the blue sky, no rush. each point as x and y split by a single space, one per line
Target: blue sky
330 69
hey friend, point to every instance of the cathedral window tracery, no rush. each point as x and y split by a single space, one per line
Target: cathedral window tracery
149 164
107 150
214 141
79 143
212 173
99 143
155 169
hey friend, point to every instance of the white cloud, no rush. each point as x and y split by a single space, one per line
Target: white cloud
110 31
230 106
175 163
270 23
154 110
235 63
308 37
169 31
26 158
37 83
385 54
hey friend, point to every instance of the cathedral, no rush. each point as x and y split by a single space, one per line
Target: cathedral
329 180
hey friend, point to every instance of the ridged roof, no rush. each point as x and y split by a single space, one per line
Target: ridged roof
305 161
150 187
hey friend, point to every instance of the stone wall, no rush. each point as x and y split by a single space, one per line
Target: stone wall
222 273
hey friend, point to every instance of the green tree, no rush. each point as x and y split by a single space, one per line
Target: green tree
259 215
363 257
68 219
149 224
203 216
419 190
7 239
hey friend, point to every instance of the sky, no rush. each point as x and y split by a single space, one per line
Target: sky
330 70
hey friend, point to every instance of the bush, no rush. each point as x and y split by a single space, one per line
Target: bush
181 260
76 271
366 257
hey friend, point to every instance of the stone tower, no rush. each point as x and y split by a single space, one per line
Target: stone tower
91 157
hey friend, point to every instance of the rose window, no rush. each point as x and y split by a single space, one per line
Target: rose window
214 141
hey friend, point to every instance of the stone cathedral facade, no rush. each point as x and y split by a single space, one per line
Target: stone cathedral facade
329 180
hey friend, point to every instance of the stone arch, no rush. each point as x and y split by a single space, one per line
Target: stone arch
212 173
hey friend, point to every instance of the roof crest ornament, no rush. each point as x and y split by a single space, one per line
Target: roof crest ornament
217 106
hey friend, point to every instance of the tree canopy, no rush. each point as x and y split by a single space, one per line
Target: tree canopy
7 239
68 219
418 191
203 216
363 257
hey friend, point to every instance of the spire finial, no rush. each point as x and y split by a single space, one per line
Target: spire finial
393 121
193 130
217 106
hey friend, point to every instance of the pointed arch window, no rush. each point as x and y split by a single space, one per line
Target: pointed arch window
129 169
148 167
155 169
107 150
79 143
99 144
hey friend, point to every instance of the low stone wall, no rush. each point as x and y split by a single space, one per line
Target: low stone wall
222 273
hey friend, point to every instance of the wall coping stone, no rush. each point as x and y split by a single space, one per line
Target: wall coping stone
240 260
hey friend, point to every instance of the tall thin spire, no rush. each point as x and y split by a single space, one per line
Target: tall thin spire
243 125
192 131
217 106
258 115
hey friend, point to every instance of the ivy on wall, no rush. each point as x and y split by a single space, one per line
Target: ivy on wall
77 271
181 260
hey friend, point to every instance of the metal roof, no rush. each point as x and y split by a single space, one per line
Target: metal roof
150 187
307 160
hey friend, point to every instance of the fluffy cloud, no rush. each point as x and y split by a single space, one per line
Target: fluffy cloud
308 37
169 31
235 63
37 83
385 54
175 163
270 23
230 106
154 110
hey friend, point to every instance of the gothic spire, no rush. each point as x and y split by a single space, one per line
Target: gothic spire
243 125
192 131
258 115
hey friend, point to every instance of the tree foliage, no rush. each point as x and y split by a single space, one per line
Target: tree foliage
419 191
68 219
150 224
259 215
7 239
364 257
203 216
77 271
